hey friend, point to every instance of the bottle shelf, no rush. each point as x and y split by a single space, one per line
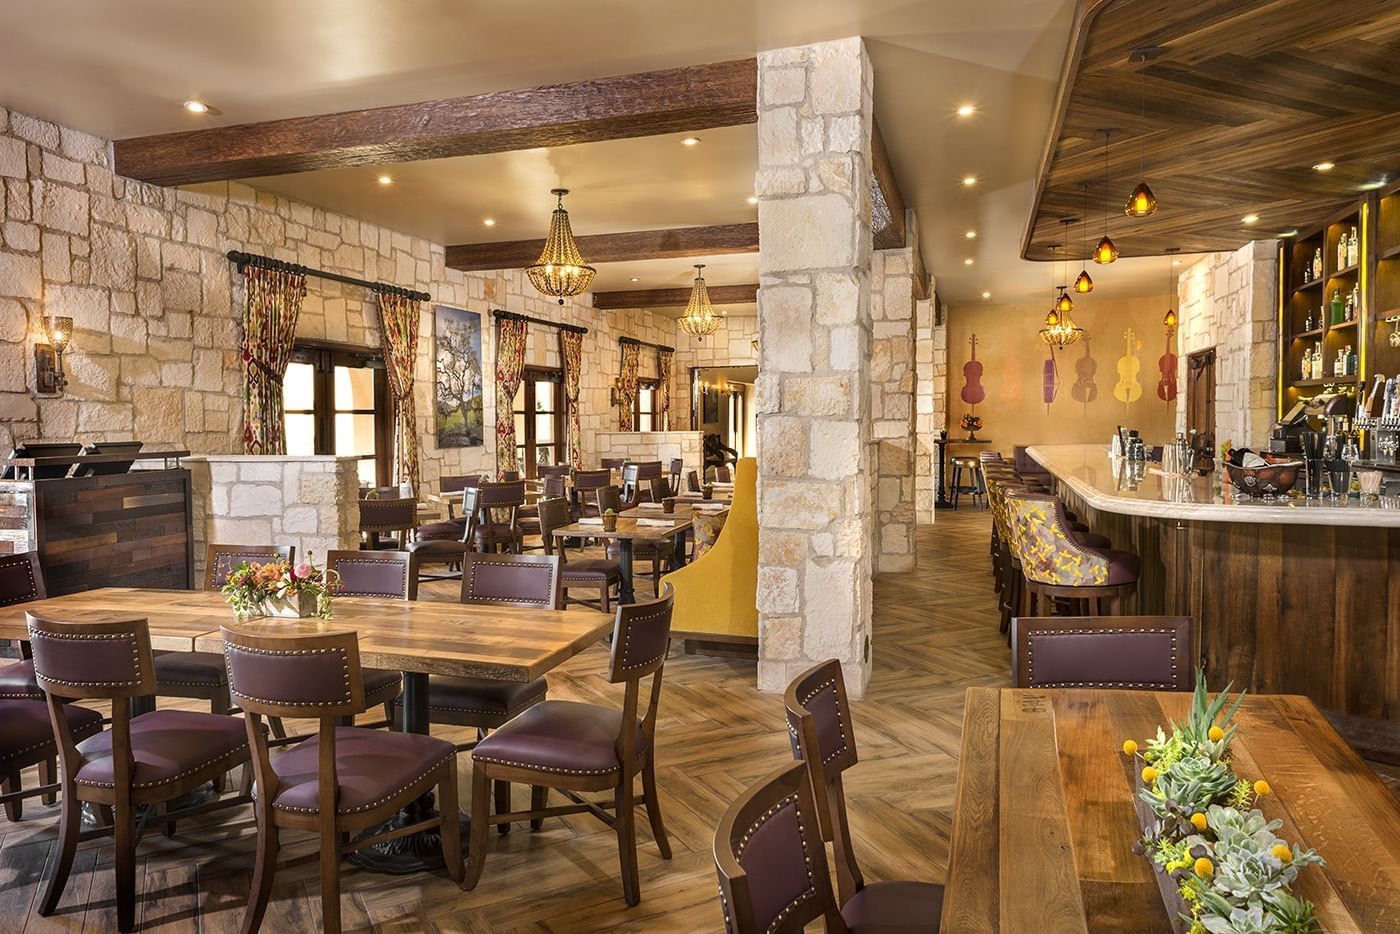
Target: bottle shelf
1329 381
1343 273
1315 284
1315 332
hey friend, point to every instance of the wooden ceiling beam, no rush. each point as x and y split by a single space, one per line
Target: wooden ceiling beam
886 202
650 103
921 277
675 243
674 298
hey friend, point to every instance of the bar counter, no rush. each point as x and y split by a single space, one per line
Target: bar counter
1293 597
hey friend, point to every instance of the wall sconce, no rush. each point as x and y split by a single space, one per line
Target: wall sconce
615 393
48 358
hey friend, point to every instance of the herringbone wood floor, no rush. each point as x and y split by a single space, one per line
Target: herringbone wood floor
935 635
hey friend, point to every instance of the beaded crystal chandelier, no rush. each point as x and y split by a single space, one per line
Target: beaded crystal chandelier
560 271
700 318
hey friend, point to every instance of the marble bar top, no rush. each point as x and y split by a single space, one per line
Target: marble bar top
1107 484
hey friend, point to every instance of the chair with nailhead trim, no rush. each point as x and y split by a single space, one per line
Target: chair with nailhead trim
22 581
1058 567
578 748
387 574
26 739
823 736
150 759
367 775
1132 653
773 877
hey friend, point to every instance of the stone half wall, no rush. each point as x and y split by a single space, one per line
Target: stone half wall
892 383
311 503
653 446
156 305
1229 301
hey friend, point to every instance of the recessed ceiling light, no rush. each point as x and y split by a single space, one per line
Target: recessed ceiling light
968 261
969 180
635 279
966 110
489 222
971 235
1289 233
691 141
1176 262
1250 219
753 200
197 107
385 180
986 294
1324 166
1372 186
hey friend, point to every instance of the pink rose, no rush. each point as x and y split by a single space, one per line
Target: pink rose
303 570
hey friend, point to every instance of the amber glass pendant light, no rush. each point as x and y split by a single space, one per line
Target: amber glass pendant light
1060 331
1105 252
1142 203
1169 320
1084 283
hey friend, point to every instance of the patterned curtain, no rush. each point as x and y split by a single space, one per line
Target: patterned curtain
510 367
398 322
631 354
272 302
663 389
571 353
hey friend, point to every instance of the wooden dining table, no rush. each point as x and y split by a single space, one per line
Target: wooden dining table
1044 825
630 530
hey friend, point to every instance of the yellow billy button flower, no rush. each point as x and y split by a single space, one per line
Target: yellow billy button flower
1282 852
1149 774
1204 868
1261 787
1198 820
1216 734
1129 748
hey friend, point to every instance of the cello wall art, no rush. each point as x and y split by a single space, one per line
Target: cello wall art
1085 389
972 391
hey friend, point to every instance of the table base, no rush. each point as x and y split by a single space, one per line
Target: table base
417 852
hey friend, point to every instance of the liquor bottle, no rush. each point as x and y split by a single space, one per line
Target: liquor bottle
1317 360
1355 302
1317 263
1308 324
1307 273
1338 306
1341 251
1307 363
1353 248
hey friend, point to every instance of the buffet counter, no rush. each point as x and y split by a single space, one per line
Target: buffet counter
1296 596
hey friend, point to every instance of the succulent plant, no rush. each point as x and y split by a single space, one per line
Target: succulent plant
1240 921
1186 786
1292 915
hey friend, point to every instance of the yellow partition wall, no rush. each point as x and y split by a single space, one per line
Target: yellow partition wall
717 594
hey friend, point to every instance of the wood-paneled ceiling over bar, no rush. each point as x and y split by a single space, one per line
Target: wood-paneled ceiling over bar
1242 100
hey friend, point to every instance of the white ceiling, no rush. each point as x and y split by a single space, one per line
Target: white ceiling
122 69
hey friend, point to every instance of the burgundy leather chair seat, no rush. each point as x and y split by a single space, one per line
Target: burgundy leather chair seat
371 765
189 669
381 686
484 695
560 736
1124 567
25 728
439 548
496 533
166 745
447 529
1090 540
17 682
894 907
592 570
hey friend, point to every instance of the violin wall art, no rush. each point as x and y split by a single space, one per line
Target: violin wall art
972 390
1166 366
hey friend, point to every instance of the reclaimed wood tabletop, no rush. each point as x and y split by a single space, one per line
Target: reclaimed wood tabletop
629 529
1044 825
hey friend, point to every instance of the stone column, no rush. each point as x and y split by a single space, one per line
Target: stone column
892 401
815 515
930 366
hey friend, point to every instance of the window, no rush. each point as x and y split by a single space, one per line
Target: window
646 415
335 402
539 419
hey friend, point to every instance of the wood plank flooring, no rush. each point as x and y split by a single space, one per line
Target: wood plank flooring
935 635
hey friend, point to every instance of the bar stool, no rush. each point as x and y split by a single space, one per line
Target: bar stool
1054 563
974 486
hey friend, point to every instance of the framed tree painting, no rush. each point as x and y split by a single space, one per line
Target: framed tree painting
457 377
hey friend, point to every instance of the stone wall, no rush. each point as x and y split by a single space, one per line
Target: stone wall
731 345
651 446
892 378
310 503
1229 301
813 185
156 305
931 402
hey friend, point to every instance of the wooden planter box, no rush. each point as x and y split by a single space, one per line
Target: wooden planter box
1172 901
296 606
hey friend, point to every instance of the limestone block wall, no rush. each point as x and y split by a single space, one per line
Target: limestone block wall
931 405
815 517
650 446
892 379
311 503
156 305
1229 301
731 345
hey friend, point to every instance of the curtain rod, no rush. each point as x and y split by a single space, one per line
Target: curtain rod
633 340
512 316
242 259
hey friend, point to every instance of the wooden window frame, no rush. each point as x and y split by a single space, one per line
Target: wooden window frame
654 385
324 357
527 447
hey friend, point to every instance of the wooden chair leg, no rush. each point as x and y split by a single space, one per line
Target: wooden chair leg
275 725
626 814
264 869
330 876
502 794
69 824
476 853
653 803
48 775
124 855
451 826
14 810
606 598
539 798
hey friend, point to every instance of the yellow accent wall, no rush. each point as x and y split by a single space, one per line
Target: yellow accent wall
718 592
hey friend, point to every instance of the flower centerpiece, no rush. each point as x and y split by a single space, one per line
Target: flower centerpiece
1217 854
971 424
279 589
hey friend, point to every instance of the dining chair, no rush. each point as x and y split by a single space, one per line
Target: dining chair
397 517
1136 653
822 731
491 530
26 738
21 581
386 574
659 488
692 480
587 483
676 466
773 876
610 498
602 574
545 471
380 492
510 476
723 474
150 759
447 551
612 463
577 748
341 780
451 527
636 481
1057 567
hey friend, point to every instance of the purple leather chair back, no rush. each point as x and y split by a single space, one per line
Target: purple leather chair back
511 580
692 480
1146 653
592 479
641 637
81 660
609 498
380 492
315 676
660 489
819 718
554 512
723 474
222 559
21 578
510 476
555 486
500 495
773 874
612 463
388 515
645 470
458 483
374 574
552 470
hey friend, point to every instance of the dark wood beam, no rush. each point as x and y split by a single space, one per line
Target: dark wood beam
651 103
672 298
676 243
921 277
887 204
